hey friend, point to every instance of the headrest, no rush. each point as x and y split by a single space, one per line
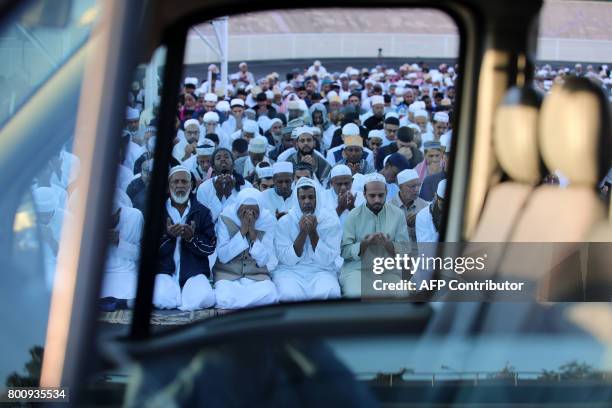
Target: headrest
515 138
575 131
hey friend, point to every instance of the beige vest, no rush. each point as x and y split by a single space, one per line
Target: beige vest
243 265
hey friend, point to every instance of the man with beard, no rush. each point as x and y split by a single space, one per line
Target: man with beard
408 200
221 190
307 242
188 239
405 145
294 110
374 228
278 200
340 198
376 121
275 133
200 164
305 153
352 156
185 148
429 219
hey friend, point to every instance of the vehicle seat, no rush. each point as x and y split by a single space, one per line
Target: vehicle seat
516 148
574 140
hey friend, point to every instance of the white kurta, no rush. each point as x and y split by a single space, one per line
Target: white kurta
331 201
246 292
178 151
313 275
425 230
121 268
50 257
207 196
272 202
133 153
70 170
125 175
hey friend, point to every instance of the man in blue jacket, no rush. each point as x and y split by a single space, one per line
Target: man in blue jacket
182 279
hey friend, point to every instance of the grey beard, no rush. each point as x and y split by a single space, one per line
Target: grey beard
179 199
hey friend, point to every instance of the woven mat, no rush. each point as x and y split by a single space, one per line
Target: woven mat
161 317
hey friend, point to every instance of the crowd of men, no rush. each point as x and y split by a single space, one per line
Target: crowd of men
279 187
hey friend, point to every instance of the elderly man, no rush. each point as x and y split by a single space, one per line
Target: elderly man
408 199
405 145
378 113
200 164
257 154
250 129
278 200
275 133
374 227
121 266
245 254
429 220
186 147
307 242
340 198
221 189
305 153
182 279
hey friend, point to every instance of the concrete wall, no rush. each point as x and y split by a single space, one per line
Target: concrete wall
355 45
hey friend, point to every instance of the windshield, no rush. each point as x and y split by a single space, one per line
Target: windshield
35 41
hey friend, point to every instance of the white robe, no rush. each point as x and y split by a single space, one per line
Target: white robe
331 200
133 153
246 292
70 170
197 292
125 175
425 230
272 202
207 196
313 275
121 269
49 256
178 151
